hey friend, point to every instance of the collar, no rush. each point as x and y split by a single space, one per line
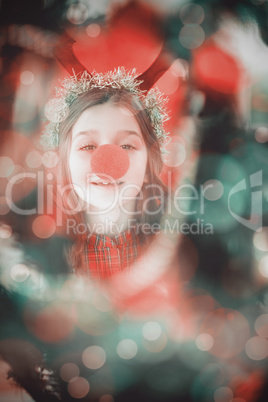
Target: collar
100 240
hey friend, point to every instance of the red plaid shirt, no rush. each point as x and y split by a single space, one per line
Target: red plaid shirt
105 256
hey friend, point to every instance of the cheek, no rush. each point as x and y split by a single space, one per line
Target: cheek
76 172
139 169
72 166
79 167
143 164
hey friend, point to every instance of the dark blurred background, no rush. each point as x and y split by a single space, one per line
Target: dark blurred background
213 69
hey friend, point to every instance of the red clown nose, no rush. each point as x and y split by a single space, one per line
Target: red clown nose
110 160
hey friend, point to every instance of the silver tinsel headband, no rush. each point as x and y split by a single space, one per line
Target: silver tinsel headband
57 109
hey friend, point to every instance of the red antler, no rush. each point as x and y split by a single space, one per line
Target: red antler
156 70
65 55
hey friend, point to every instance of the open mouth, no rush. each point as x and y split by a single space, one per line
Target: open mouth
107 183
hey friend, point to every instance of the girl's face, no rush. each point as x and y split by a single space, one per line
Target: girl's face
99 125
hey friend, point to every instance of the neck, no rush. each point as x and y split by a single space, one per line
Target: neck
111 223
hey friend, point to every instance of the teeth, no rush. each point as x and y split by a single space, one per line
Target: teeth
117 182
107 182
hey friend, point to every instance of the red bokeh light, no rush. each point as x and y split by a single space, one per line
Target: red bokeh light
50 324
43 226
230 331
217 70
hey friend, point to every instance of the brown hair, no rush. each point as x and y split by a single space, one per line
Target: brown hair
124 98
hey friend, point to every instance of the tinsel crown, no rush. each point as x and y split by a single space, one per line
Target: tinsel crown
57 109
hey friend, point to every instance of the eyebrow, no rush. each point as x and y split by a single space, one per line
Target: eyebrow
129 132
85 133
96 132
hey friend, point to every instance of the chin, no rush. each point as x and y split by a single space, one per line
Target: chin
101 205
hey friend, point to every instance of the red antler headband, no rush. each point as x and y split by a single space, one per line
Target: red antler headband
154 103
57 109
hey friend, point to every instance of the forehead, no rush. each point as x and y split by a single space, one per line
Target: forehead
106 117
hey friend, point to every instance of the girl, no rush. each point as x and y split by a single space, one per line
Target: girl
109 135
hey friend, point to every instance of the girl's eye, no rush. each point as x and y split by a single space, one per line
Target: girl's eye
87 147
127 146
